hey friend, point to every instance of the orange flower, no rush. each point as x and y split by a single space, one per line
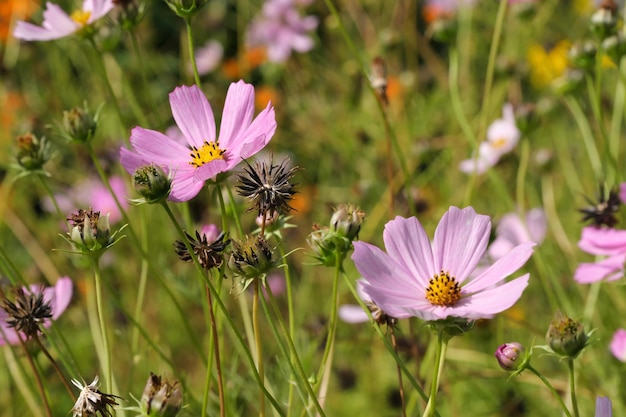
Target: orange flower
265 94
233 68
12 10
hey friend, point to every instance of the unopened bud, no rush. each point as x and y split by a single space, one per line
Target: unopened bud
566 336
347 220
152 183
32 153
79 124
508 355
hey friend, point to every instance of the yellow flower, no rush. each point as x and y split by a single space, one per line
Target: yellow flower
546 66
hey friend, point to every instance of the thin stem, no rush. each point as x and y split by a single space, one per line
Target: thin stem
258 342
144 78
290 316
572 386
332 326
42 391
108 371
491 64
551 388
53 198
294 352
56 367
587 136
216 350
192 54
442 346
398 370
141 291
592 299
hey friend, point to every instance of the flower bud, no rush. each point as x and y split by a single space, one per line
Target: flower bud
347 220
566 336
508 355
328 246
185 8
32 153
152 183
79 125
615 46
128 13
161 398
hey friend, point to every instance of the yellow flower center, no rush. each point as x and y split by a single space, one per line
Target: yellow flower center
81 17
443 290
498 143
207 153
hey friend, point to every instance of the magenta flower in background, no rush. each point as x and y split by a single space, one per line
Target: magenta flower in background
512 231
58 297
602 242
208 57
240 137
618 345
93 193
58 24
281 29
604 407
415 278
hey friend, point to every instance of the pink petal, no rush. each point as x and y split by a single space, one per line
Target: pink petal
396 304
501 269
98 8
184 186
602 241
237 114
407 243
494 300
56 20
384 272
61 296
131 161
29 32
157 148
537 224
608 269
352 314
256 136
210 170
460 241
193 115
618 345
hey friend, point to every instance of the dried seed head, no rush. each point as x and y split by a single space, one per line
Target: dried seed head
28 312
161 398
209 253
91 401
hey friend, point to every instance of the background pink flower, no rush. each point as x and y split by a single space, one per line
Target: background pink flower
59 298
512 231
602 242
58 24
618 345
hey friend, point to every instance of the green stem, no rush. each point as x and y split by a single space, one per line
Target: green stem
551 388
144 79
332 326
141 291
398 370
290 315
491 64
442 346
572 386
592 299
103 74
587 136
108 370
192 54
54 201
258 343
216 351
56 367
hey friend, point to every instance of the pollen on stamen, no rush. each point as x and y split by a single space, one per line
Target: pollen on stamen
81 17
207 153
443 290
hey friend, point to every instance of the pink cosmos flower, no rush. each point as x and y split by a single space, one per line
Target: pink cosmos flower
240 137
602 242
208 57
58 297
415 278
512 231
618 345
58 24
281 29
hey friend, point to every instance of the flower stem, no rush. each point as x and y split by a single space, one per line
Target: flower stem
192 54
442 346
42 391
398 370
572 386
54 201
108 371
551 388
56 367
216 350
258 343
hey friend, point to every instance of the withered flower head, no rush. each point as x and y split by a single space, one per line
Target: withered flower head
268 186
90 233
91 401
251 258
28 313
161 398
209 254
603 212
79 125
379 79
